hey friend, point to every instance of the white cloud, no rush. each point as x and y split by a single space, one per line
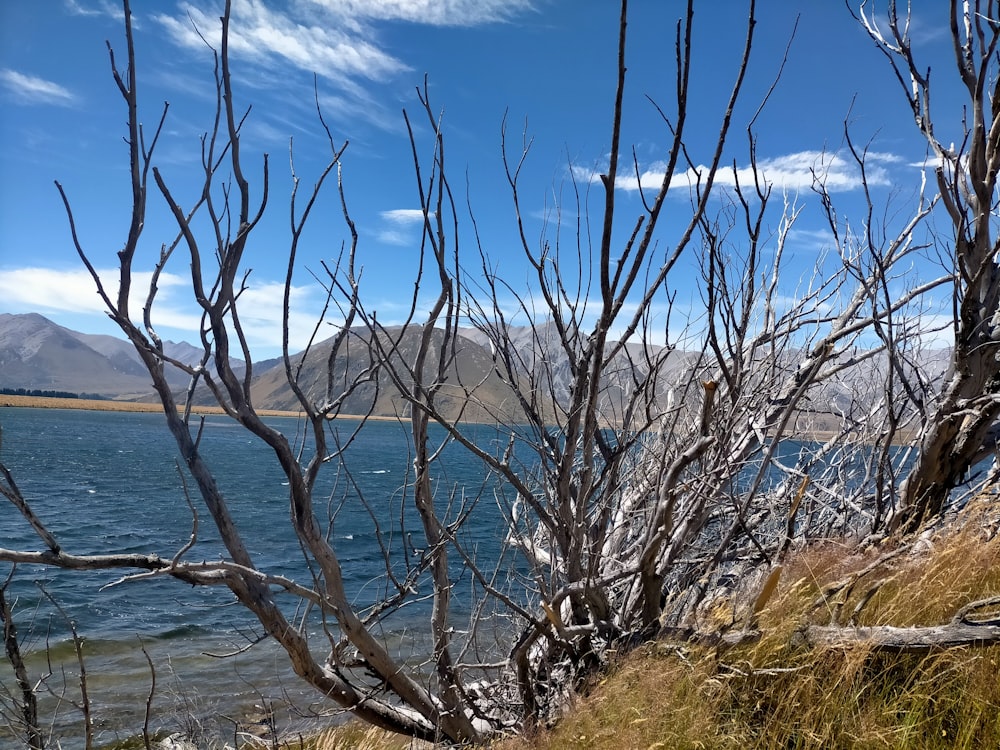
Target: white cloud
102 8
261 312
34 90
74 291
815 240
799 171
936 330
337 39
337 51
433 12
393 237
404 216
792 172
402 226
920 30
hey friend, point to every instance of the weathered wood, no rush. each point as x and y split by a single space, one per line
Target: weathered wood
915 639
965 629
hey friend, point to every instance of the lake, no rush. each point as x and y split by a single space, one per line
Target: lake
109 482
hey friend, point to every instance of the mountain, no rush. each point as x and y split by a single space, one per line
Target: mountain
470 370
36 353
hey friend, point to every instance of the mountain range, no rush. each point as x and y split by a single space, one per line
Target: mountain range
37 354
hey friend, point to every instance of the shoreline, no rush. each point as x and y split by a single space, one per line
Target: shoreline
94 404
138 407
88 404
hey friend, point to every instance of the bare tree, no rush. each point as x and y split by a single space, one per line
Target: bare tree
959 429
644 469
652 472
25 704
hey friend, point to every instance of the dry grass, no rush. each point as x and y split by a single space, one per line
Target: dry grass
49 402
356 735
774 694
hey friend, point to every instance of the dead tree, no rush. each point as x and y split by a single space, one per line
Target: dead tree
24 707
359 673
652 473
960 428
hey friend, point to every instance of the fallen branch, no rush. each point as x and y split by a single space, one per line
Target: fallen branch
918 639
963 630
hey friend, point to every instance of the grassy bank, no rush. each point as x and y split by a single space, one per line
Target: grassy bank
49 402
776 694
93 404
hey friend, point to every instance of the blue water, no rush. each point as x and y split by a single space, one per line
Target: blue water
107 482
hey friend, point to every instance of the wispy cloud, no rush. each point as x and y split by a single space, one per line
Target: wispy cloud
102 8
792 172
433 12
918 28
401 226
337 39
404 216
813 240
341 53
33 90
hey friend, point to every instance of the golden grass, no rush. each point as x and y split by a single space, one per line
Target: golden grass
355 735
49 402
775 694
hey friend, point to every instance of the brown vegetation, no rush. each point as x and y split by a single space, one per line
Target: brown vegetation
93 404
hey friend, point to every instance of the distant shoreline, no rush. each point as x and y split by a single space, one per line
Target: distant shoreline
92 404
95 404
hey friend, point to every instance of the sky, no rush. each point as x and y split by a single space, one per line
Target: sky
545 67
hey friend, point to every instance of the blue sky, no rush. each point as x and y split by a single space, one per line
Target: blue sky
548 64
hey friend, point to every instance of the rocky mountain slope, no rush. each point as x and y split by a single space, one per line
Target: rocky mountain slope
37 354
472 390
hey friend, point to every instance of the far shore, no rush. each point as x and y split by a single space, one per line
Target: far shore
95 404
92 404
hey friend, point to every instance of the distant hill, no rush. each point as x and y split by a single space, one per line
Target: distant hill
470 370
36 353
